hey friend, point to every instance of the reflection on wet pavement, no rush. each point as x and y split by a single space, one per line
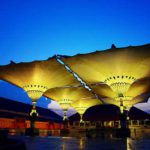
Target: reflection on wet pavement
82 143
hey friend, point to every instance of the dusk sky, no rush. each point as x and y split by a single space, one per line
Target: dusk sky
38 29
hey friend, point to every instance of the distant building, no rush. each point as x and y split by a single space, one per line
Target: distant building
15 117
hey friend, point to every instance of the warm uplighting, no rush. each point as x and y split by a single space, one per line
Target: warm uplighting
112 73
83 104
65 114
65 103
81 111
121 109
120 84
124 102
66 96
33 111
35 91
38 76
124 98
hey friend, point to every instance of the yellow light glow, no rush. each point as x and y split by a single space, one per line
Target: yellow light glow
98 66
81 118
38 76
122 69
120 84
35 91
83 104
127 103
124 98
66 96
119 68
121 109
65 103
131 97
65 115
33 111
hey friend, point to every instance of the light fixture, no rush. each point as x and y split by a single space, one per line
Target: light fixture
120 84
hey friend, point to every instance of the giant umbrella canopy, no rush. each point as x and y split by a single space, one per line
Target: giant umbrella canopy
138 92
37 77
118 68
83 104
65 96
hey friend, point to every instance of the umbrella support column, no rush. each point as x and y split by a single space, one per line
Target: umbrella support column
33 117
124 130
81 121
65 130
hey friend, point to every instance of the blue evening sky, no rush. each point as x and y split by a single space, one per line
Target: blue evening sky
38 29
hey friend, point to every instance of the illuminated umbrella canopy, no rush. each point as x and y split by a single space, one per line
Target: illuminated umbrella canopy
138 92
83 104
37 77
119 68
67 95
128 103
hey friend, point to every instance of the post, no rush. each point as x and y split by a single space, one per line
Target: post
33 118
65 130
123 131
123 115
65 115
65 119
